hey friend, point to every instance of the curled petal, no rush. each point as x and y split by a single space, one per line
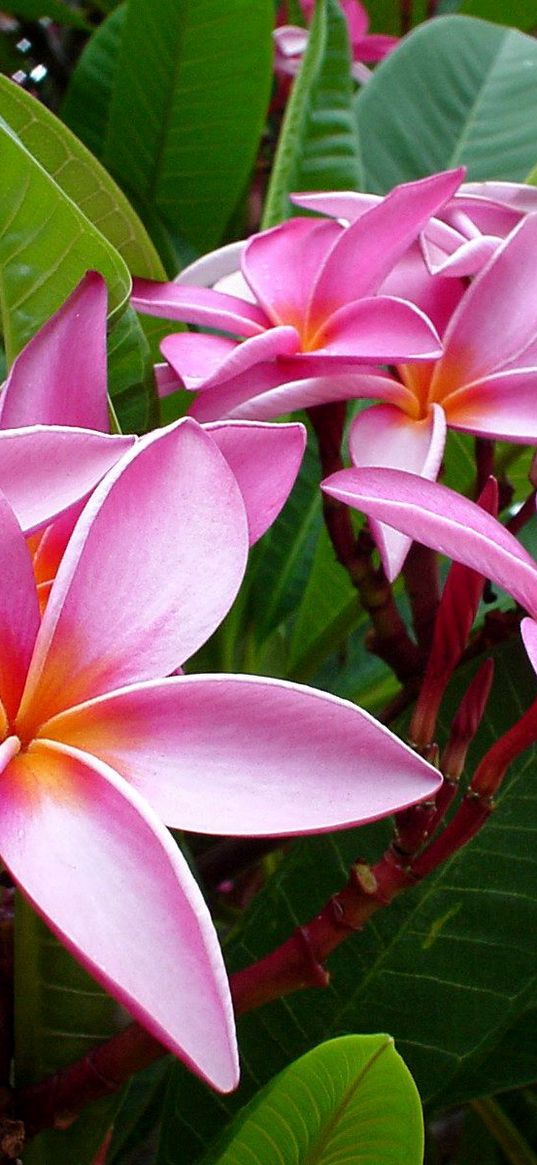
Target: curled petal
528 629
265 460
345 204
198 305
385 436
211 268
104 873
443 519
195 356
249 756
379 328
148 574
59 378
67 464
285 385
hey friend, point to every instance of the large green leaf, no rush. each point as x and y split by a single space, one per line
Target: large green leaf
60 1014
46 245
449 968
318 147
518 13
350 1101
180 104
81 178
457 91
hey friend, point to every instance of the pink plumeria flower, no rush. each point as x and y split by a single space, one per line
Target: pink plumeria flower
316 319
60 379
291 41
484 383
449 523
462 236
97 750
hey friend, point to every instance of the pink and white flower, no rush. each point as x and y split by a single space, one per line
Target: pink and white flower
97 749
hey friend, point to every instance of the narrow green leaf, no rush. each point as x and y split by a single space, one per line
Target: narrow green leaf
46 245
350 1101
457 91
60 1014
81 178
513 1144
318 148
180 104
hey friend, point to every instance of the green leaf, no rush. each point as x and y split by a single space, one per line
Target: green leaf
519 14
329 611
457 91
53 9
181 107
81 178
60 1014
130 375
139 1112
449 967
46 245
350 1101
318 148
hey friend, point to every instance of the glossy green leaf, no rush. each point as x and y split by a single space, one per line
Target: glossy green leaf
318 148
180 110
457 91
81 178
130 375
54 9
449 967
329 611
518 14
350 1101
46 245
139 1112
60 1014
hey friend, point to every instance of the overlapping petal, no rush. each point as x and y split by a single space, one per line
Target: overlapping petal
379 328
198 305
45 470
19 613
59 378
223 359
282 264
119 612
99 866
443 519
385 436
265 460
502 405
235 755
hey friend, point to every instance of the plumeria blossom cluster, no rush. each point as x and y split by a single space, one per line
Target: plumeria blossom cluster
120 556
325 310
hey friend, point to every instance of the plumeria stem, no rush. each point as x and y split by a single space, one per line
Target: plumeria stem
420 573
390 639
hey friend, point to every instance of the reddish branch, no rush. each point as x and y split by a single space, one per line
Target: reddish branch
389 639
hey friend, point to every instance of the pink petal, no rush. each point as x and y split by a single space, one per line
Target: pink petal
19 613
497 319
347 204
357 19
167 381
517 195
501 406
265 459
247 756
198 305
103 872
467 260
528 629
286 385
290 41
281 265
66 465
204 361
379 328
148 574
375 47
387 437
443 519
59 378
366 251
